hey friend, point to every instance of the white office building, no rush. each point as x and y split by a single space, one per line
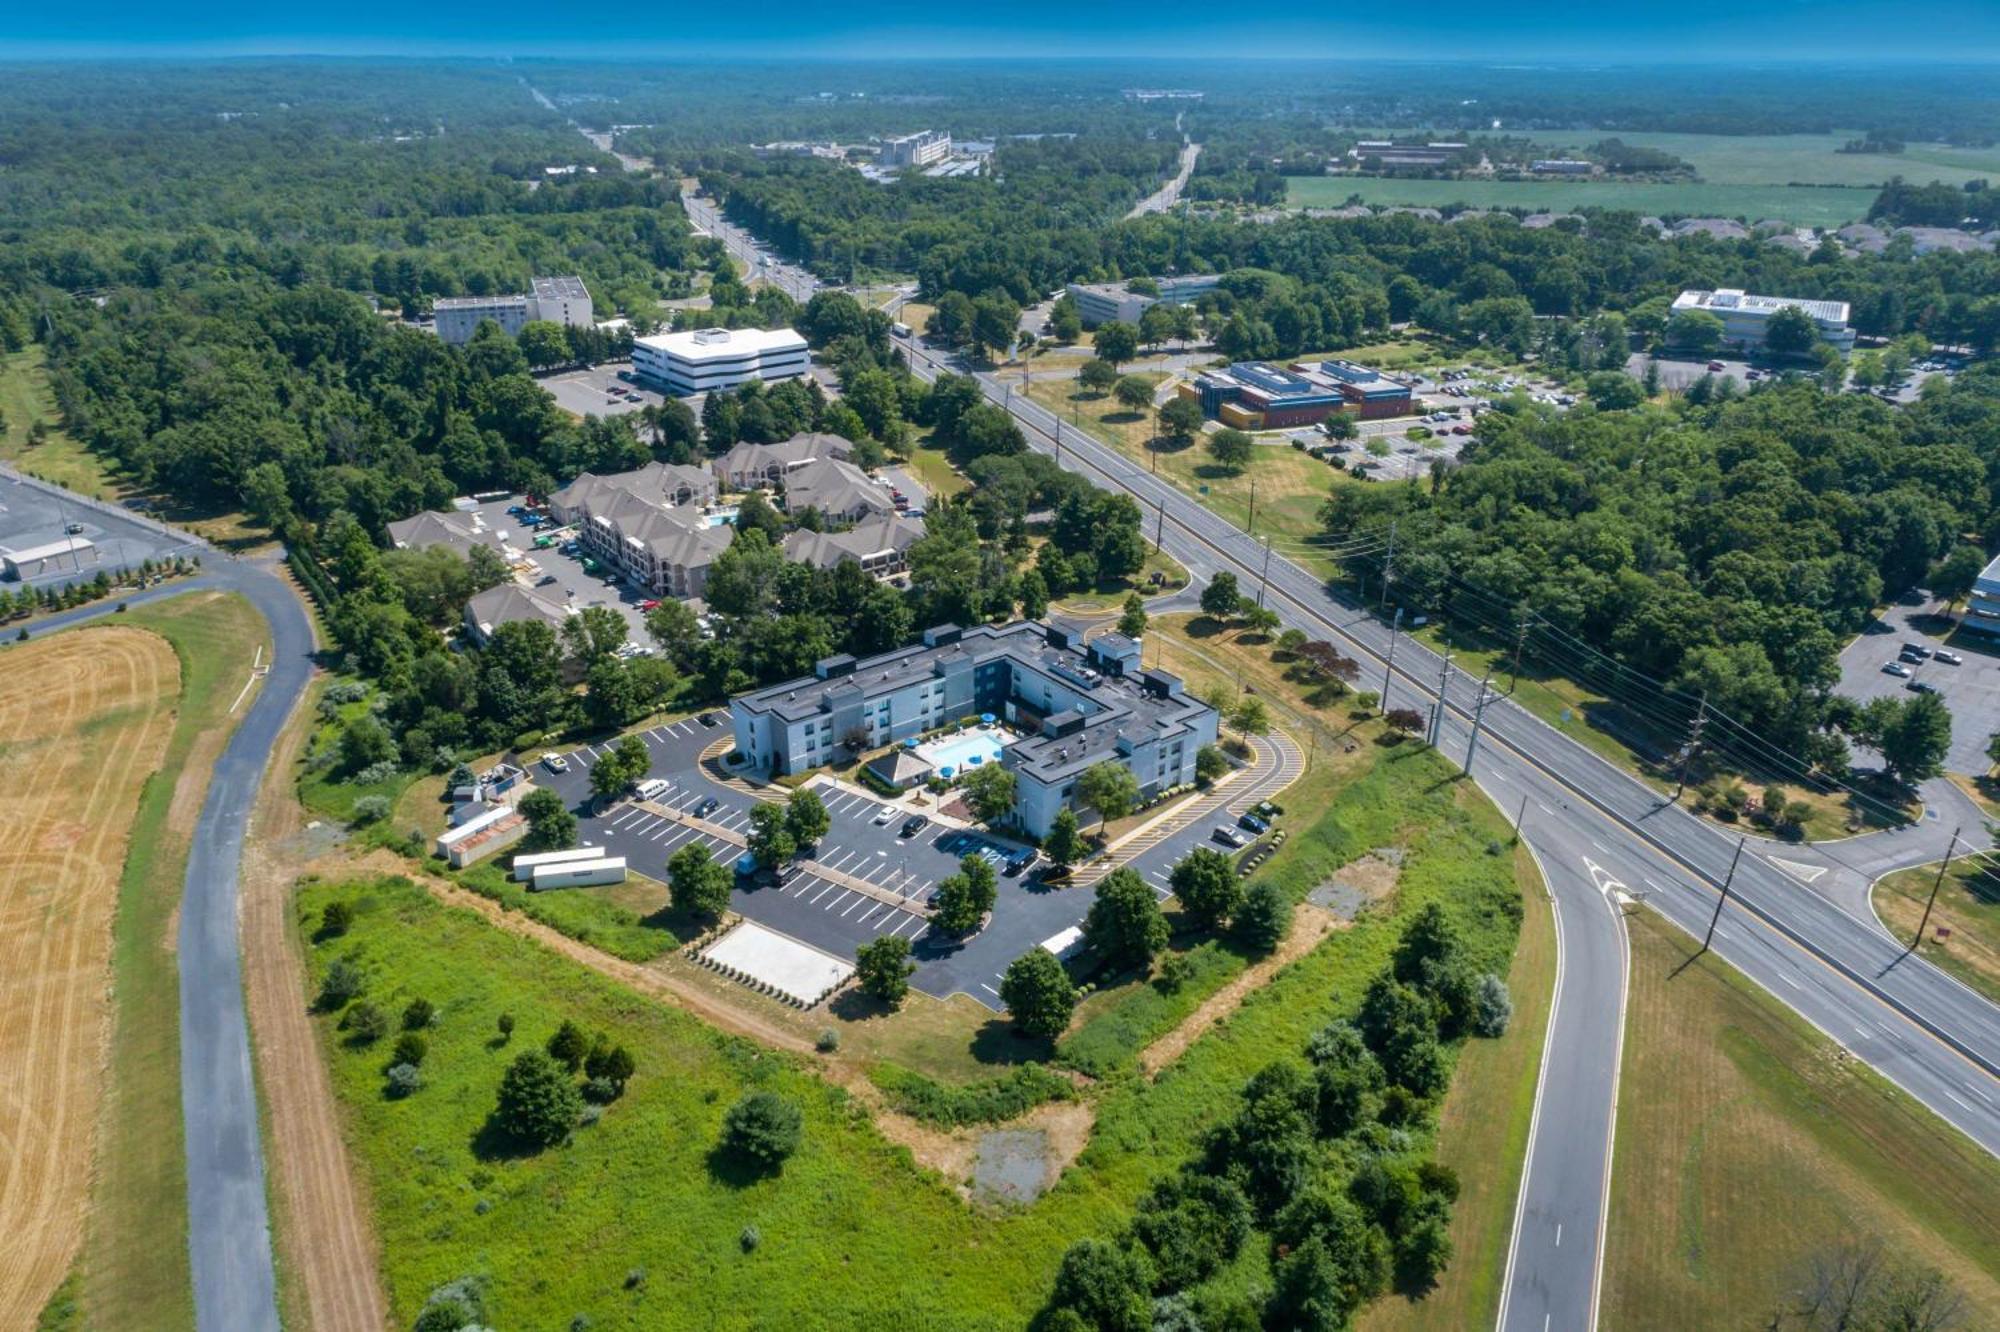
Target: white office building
1102 302
916 150
1982 610
719 358
1746 317
560 300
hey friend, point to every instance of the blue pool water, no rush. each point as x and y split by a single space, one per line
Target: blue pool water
957 752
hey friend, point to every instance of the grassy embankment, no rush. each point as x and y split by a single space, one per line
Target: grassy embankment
1748 1144
134 1270
1963 936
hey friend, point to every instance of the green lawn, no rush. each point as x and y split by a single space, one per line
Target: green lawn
1748 1144
331 794
25 399
134 1264
1816 206
1812 159
850 1218
1963 936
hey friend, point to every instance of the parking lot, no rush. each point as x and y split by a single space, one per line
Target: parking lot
562 576
1971 690
30 517
823 906
587 392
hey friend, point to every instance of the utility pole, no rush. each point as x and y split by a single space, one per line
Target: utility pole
1520 641
1693 741
1478 719
1723 900
1388 564
1389 667
1936 884
1444 683
1252 528
1265 576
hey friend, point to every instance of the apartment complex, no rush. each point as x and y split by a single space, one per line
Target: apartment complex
757 466
560 300
1252 395
915 150
1746 318
1101 302
450 528
706 359
652 525
1077 704
881 546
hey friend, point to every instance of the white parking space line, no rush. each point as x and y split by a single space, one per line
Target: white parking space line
857 902
989 989
838 900
822 893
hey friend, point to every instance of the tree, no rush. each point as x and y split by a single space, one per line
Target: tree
1264 918
1180 419
410 1049
551 826
1110 788
543 343
539 1103
1231 449
1695 331
1038 993
1251 717
363 744
1492 1007
616 772
770 842
1952 577
1116 343
1614 391
1221 598
806 818
1134 393
1210 763
763 1128
699 885
1107 1286
335 918
1065 322
418 1014
1132 621
1790 333
963 899
568 1045
883 968
1097 377
1062 844
1916 739
1207 885
989 792
366 1023
1124 923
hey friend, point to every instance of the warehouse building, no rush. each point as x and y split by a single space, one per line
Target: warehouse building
706 359
1745 317
1252 395
560 300
1069 704
34 561
1101 302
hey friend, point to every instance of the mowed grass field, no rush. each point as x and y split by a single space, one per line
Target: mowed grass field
1808 159
84 718
1807 206
1748 1143
1963 936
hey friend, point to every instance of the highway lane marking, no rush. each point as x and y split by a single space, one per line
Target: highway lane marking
1960 1104
1786 977
1559 1234
1807 873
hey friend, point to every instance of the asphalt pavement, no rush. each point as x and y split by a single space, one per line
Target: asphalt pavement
229 1232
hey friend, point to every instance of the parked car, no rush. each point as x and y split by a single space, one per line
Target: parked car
651 603
1229 836
1019 861
707 807
1912 658
913 825
1921 687
1921 649
1252 823
883 816
1267 809
1948 657
711 719
787 872
555 762
1714 365
1895 668
652 789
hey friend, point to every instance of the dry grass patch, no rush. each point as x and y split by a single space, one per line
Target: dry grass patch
86 717
1310 924
1748 1144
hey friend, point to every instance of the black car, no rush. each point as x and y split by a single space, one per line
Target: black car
1912 657
1919 649
1019 861
707 807
913 825
711 719
1920 687
1251 823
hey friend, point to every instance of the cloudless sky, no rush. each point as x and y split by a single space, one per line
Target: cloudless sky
1441 30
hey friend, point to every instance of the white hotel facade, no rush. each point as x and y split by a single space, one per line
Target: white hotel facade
719 358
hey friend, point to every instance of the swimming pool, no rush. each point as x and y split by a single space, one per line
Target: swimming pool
967 749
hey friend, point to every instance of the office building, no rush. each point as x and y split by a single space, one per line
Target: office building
1251 395
915 150
707 359
1101 302
560 300
1745 317
1982 611
1364 393
1072 704
1387 152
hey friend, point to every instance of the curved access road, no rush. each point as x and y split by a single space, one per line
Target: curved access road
229 1228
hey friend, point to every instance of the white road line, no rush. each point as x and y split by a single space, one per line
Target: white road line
989 989
1788 980
1544 808
867 914
857 902
1955 1101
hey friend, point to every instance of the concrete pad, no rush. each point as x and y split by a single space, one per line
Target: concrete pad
765 959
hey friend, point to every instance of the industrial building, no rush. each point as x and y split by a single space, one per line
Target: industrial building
560 300
707 359
1390 153
1561 166
34 561
1072 705
1745 318
1101 302
1251 395
915 150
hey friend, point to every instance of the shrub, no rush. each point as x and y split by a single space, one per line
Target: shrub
763 1128
1265 917
342 983
1492 1007
505 1025
828 1041
370 809
365 1023
610 1061
411 1048
420 1013
335 919
404 1080
450 1307
1175 972
538 1102
569 1046
376 772
602 1091
750 1238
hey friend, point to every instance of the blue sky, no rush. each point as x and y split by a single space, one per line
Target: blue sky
1443 30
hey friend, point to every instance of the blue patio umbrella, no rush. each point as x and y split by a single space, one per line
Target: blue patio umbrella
987 717
973 760
945 771
910 743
